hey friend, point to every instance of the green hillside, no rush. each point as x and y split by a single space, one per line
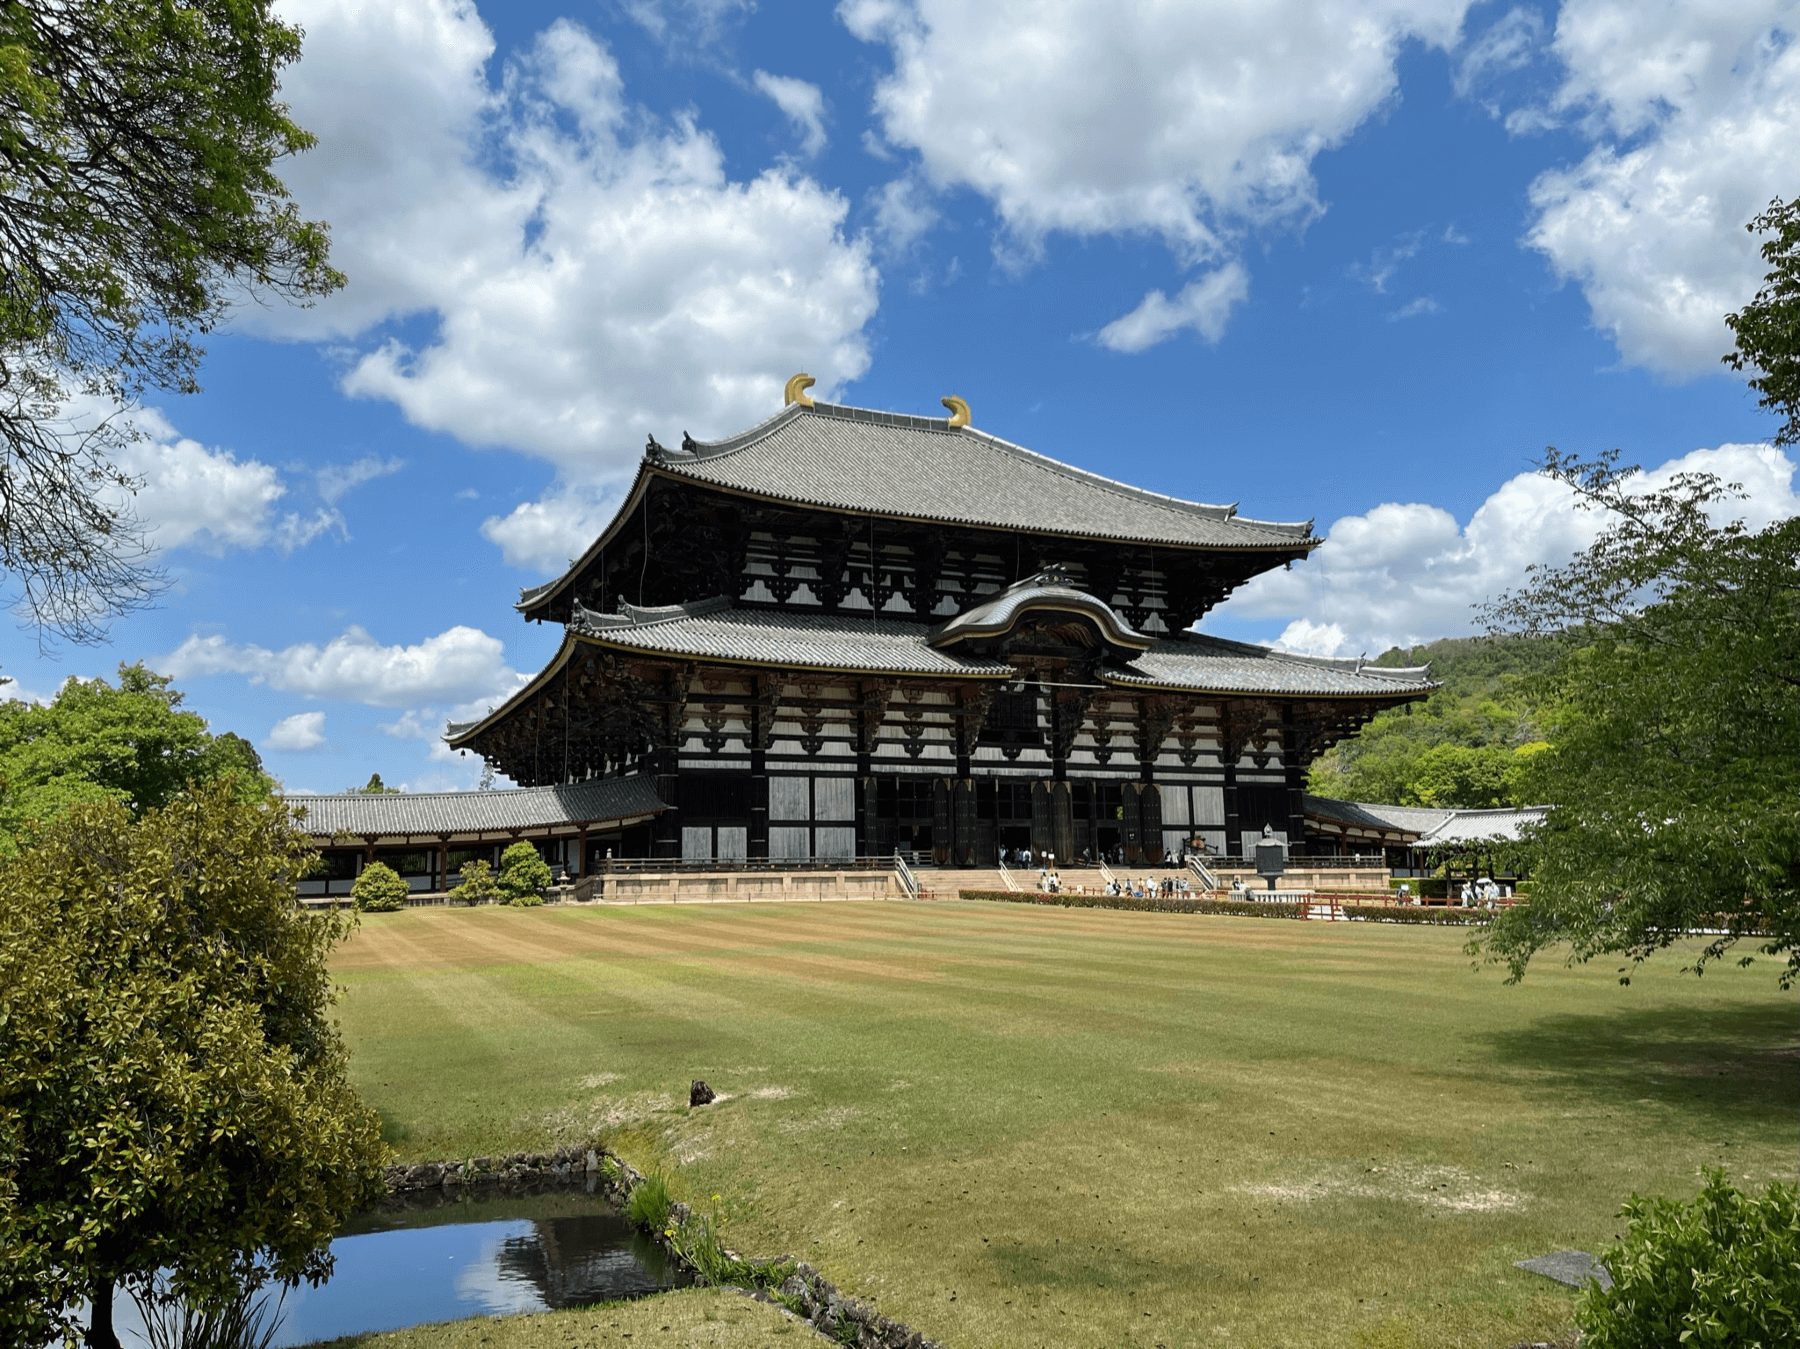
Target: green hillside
1466 746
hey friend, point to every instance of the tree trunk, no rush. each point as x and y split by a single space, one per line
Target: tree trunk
100 1318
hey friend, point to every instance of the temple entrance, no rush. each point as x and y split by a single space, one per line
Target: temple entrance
1015 836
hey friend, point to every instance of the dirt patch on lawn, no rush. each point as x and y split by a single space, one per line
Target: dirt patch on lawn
1442 1187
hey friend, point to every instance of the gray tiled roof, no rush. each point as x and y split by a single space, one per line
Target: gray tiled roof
392 813
920 468
1219 666
1481 826
1414 820
823 641
1047 590
709 630
1432 824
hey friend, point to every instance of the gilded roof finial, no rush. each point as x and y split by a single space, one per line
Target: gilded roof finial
796 391
959 411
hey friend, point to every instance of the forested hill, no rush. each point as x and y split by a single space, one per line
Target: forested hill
1466 746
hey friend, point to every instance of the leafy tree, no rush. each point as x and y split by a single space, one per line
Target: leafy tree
478 883
524 875
1671 763
138 199
1768 328
173 1092
379 889
131 743
1464 748
376 787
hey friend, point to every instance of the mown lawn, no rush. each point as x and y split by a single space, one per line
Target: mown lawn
1022 1126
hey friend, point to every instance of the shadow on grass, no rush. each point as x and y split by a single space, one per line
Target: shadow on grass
1731 1063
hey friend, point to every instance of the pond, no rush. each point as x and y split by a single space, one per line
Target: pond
445 1255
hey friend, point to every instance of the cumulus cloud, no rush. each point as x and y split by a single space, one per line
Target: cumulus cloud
1402 574
1182 122
1694 106
1203 305
547 534
194 497
1508 44
591 272
302 731
460 664
801 103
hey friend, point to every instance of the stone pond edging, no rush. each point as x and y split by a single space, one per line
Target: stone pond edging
806 1293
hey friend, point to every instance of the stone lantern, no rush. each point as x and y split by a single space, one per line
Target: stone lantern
1271 856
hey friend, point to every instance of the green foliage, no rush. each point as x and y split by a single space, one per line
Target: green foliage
129 743
246 1321
379 889
648 1206
478 883
376 787
173 1091
1723 1271
1768 328
1467 747
524 875
1671 763
140 198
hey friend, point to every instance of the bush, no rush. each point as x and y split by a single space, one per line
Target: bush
524 876
648 1206
379 889
478 884
1724 1270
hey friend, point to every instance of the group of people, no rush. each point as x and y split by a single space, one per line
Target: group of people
1483 892
1150 887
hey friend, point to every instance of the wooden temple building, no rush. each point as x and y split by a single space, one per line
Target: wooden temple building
845 633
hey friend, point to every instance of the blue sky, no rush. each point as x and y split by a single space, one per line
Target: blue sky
1350 260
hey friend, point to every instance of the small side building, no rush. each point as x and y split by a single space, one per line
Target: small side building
428 836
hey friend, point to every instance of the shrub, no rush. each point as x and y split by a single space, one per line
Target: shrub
648 1206
524 876
478 884
379 889
1724 1270
1152 904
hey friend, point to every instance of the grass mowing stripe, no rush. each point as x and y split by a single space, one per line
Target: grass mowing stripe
1015 1125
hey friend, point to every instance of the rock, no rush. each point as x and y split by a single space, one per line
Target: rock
701 1094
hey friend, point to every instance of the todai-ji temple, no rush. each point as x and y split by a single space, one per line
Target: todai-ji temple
847 633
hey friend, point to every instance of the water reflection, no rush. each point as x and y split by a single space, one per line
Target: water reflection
459 1255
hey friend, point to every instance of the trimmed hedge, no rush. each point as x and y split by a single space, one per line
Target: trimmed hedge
1362 913
1154 904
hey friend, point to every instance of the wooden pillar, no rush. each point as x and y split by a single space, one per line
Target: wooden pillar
1062 824
1043 825
443 863
942 823
581 851
761 715
963 811
1131 826
1150 820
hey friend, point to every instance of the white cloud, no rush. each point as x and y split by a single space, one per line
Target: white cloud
302 731
593 273
903 213
460 664
547 534
1204 305
687 25
1424 304
1181 121
1405 574
190 496
336 479
1695 108
801 103
1508 44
